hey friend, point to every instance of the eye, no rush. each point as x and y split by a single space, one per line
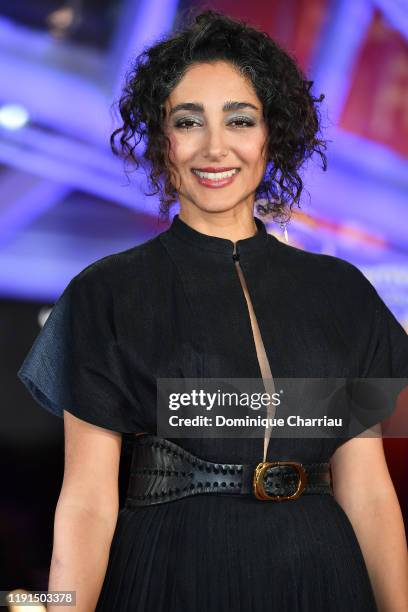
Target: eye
185 124
242 122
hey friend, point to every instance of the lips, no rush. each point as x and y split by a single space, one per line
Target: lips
215 177
213 174
215 169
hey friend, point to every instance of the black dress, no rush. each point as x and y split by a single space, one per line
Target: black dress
174 307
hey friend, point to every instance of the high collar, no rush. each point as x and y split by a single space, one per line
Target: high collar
185 232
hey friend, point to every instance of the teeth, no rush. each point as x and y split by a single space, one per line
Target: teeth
216 175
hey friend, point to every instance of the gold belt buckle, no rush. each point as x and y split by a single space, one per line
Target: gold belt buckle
258 482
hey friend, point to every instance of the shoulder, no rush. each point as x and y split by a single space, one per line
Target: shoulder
131 265
324 270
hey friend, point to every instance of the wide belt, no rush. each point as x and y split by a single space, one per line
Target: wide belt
162 471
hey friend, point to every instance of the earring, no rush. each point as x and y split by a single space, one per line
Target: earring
283 225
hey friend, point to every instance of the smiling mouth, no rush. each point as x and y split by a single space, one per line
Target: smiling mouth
217 179
215 176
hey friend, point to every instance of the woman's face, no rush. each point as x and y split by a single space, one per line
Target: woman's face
217 136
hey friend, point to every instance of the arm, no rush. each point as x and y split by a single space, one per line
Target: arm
86 512
363 487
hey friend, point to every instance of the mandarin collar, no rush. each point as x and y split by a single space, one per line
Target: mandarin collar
181 230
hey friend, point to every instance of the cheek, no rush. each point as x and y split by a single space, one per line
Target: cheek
181 149
252 152
172 150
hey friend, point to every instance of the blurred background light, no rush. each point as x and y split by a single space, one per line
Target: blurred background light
13 116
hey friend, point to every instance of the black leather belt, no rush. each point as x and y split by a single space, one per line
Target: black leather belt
162 471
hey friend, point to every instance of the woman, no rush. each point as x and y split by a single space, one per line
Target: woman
227 119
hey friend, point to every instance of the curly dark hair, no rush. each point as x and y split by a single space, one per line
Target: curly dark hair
290 110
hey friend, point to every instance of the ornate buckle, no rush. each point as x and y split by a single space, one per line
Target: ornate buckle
258 480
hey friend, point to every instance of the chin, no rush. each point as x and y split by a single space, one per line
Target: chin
219 206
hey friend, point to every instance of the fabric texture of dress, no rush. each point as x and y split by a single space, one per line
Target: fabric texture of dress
174 307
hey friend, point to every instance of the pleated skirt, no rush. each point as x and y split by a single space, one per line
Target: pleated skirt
217 553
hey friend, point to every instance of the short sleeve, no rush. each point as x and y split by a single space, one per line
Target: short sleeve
385 360
75 362
388 352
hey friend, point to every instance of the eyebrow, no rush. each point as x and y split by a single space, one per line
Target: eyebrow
199 108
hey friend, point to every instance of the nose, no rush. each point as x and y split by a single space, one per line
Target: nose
215 145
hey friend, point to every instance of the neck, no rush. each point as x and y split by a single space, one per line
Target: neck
228 225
